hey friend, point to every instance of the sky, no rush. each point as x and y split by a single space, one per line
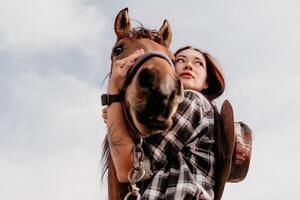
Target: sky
55 54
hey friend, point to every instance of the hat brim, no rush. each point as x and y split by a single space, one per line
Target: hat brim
224 165
242 152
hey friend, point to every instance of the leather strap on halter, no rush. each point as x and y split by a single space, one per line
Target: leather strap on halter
140 61
134 132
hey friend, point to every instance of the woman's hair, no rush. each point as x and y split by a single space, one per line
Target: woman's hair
215 79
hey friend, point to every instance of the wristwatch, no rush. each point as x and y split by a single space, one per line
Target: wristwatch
107 99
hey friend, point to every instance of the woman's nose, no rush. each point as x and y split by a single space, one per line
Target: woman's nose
188 66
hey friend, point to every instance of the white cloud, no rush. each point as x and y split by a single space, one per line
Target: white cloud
39 25
55 137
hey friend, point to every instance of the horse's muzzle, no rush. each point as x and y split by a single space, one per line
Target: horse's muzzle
151 123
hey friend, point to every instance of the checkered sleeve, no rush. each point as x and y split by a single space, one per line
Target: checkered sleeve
182 158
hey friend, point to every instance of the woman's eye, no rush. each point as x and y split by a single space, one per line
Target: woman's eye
199 63
179 60
118 50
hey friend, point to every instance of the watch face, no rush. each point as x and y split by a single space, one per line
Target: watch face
104 99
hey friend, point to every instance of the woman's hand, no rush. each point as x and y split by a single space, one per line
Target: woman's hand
119 72
104 114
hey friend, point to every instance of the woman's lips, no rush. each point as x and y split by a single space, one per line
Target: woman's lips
186 75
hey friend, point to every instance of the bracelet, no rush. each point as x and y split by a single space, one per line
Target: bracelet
107 99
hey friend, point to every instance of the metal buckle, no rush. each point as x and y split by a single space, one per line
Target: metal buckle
137 173
105 99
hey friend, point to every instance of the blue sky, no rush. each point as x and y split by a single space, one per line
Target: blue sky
55 54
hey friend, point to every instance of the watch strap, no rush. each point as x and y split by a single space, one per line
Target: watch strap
107 99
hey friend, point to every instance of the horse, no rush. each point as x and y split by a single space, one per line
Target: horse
152 90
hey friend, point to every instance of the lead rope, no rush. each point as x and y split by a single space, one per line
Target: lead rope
137 172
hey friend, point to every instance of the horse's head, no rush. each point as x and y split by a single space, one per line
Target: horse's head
154 90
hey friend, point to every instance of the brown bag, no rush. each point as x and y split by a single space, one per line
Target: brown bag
232 162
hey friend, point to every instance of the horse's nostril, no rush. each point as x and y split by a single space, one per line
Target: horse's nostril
146 78
172 96
179 88
178 85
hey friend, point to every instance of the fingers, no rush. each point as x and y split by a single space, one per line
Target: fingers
120 63
120 69
123 65
104 114
129 61
135 55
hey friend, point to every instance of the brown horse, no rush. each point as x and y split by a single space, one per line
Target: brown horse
152 90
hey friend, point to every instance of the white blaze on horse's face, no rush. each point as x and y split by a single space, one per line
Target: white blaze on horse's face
167 85
155 91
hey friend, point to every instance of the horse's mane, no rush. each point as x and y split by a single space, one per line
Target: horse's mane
104 157
142 32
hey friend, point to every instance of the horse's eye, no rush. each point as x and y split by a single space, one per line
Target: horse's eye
118 50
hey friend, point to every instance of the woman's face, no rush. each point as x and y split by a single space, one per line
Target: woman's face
190 65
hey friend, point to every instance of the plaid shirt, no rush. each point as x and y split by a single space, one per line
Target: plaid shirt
183 159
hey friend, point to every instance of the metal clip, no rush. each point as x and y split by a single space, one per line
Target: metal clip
134 192
137 172
135 175
138 156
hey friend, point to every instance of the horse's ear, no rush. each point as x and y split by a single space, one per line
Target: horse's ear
165 32
122 24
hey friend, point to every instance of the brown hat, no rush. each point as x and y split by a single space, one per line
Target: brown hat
238 141
241 153
215 79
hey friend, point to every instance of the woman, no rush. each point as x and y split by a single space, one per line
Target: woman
182 160
214 81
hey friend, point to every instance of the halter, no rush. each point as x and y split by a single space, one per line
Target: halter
140 61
